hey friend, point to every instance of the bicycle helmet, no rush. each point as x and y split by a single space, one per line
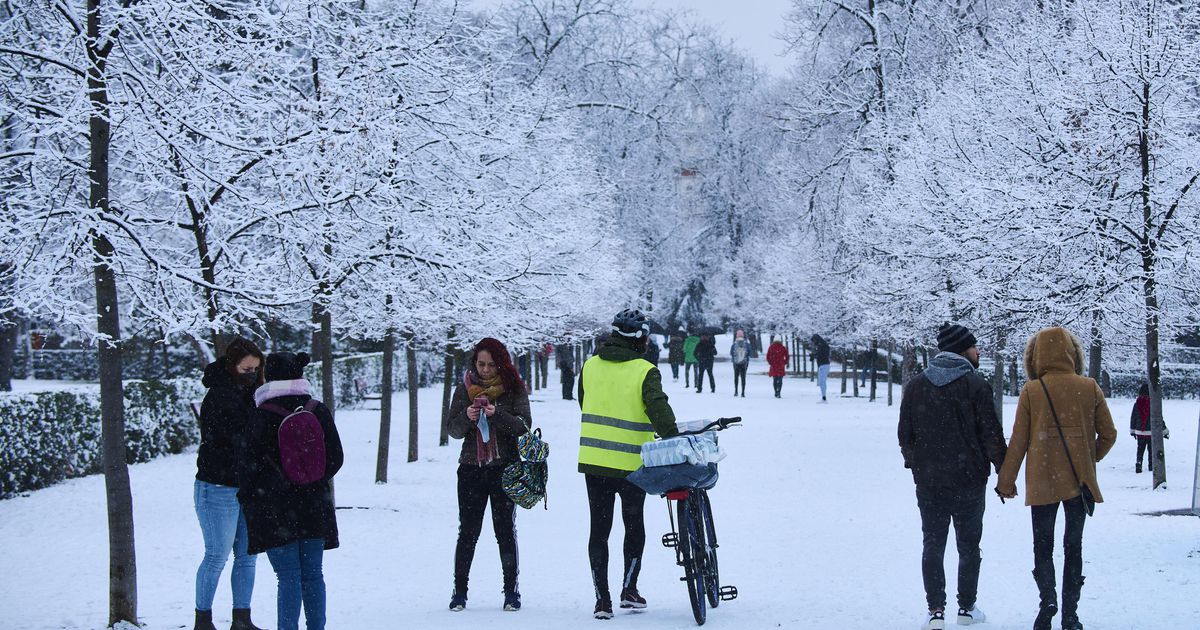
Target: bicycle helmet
631 323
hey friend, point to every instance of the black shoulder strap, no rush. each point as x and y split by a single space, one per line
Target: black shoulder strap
1060 431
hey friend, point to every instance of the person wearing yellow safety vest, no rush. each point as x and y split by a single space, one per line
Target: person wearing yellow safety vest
625 406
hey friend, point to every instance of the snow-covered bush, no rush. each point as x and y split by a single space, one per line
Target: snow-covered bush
47 437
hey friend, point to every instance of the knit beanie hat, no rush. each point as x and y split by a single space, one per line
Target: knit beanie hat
285 366
951 338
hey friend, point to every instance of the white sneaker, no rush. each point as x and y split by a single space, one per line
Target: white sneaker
935 620
973 616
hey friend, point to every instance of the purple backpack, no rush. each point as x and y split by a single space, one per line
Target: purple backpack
301 443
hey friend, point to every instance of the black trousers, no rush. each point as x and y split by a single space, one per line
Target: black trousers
701 368
675 371
477 485
1043 553
1144 449
940 506
777 381
567 376
688 369
739 372
602 495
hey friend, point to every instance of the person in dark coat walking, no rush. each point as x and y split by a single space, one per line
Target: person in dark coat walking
564 357
777 358
488 411
675 353
820 352
294 524
225 417
951 438
1139 427
652 351
706 352
739 353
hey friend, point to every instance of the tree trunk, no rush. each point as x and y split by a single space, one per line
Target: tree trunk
908 363
1149 252
853 376
8 352
414 386
843 371
447 391
122 561
874 360
891 353
385 408
1096 351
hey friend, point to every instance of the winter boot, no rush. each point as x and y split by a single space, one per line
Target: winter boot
1070 604
241 620
1138 467
1049 596
631 599
603 609
512 601
458 601
204 620
1045 616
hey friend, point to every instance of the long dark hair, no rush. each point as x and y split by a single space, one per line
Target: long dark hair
1144 390
239 349
504 366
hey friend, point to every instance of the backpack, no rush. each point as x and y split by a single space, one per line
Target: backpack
524 481
741 352
301 443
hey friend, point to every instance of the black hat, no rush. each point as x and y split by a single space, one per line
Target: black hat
285 366
951 338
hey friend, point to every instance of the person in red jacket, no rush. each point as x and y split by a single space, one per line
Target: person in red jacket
777 358
1139 425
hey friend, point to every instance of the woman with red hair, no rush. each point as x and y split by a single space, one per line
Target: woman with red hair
489 410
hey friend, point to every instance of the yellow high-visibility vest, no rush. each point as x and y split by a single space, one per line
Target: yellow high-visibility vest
615 424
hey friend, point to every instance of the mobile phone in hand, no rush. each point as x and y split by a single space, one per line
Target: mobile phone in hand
482 402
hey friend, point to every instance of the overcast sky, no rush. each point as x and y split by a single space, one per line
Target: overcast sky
752 24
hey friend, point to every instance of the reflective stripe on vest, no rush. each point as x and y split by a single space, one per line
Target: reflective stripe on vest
615 424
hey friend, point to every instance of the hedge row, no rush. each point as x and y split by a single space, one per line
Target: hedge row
47 437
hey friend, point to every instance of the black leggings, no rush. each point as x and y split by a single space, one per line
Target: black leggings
602 494
739 373
476 486
1043 552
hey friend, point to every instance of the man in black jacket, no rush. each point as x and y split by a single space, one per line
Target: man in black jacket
950 437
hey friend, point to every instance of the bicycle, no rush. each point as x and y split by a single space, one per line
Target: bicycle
695 540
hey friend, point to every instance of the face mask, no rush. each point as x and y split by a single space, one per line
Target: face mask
247 380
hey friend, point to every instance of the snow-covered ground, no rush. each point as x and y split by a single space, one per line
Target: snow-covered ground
816 516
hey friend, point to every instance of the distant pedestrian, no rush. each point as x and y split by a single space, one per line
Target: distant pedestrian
225 420
488 411
565 360
543 359
951 438
652 351
293 522
866 364
689 358
1139 427
675 353
1064 427
820 351
706 352
777 359
739 353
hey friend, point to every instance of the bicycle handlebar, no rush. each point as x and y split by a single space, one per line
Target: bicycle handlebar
720 424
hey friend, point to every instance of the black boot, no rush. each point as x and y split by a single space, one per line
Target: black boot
241 620
1071 592
204 620
1049 598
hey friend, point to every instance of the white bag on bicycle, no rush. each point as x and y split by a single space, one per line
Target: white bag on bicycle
699 450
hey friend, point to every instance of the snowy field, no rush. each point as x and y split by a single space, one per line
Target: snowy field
816 516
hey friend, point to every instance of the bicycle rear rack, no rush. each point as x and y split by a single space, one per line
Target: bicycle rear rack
727 593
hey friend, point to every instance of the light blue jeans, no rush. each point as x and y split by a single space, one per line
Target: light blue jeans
823 378
224 530
298 567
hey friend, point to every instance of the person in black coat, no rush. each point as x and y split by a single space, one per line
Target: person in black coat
950 438
706 352
294 524
224 419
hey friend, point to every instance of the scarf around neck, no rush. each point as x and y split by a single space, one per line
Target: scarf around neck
486 451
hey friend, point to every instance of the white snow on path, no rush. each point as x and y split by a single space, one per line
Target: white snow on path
816 517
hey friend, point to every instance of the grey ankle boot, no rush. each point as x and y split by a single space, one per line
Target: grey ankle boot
204 620
241 620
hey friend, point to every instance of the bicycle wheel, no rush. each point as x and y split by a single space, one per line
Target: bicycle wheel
712 578
691 548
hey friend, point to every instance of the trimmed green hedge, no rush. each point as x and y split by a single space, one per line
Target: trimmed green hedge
47 437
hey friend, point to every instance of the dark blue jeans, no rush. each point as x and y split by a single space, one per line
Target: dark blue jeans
224 531
940 506
298 567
